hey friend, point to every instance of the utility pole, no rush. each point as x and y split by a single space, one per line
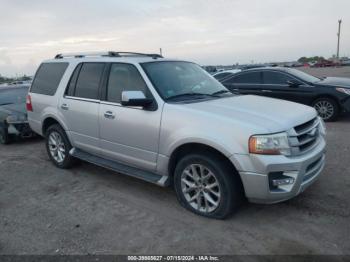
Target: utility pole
339 27
160 51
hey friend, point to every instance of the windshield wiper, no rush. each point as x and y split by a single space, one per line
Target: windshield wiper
200 95
6 104
223 91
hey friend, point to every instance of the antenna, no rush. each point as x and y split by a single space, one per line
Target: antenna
339 28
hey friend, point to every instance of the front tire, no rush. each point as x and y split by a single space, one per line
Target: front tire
327 108
58 147
207 185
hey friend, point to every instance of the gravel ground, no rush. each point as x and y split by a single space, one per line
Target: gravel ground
90 210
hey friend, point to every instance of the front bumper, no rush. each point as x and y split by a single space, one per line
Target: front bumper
346 104
256 169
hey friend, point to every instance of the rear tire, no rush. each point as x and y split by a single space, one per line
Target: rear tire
4 136
206 185
58 147
327 108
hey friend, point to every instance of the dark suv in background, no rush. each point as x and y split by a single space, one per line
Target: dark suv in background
329 96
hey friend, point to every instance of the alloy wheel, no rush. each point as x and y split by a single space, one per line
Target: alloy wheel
200 188
56 147
325 109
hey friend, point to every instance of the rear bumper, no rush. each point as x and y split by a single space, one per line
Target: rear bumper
256 171
21 129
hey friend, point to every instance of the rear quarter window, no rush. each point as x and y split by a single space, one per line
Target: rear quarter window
48 77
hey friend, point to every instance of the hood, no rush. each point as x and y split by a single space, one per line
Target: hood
336 81
260 113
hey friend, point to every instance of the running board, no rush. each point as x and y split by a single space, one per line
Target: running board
119 167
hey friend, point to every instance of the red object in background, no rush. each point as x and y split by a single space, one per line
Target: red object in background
325 63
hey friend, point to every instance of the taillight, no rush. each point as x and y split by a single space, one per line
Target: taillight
29 104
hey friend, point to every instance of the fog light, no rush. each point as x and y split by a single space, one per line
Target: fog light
282 182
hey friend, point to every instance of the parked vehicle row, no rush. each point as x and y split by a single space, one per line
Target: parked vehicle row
13 114
170 123
329 96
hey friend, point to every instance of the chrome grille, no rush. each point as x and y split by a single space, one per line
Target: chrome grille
304 137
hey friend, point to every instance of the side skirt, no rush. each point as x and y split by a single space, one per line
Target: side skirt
119 167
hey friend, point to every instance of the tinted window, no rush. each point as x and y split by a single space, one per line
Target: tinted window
89 80
276 78
245 78
48 78
221 76
72 82
13 95
124 77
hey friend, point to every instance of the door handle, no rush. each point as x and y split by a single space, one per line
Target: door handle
266 91
64 106
109 115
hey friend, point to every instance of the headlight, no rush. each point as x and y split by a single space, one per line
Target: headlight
322 127
343 90
276 144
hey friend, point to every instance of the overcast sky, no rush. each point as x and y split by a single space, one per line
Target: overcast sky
207 32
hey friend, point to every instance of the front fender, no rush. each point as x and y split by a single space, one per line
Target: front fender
227 146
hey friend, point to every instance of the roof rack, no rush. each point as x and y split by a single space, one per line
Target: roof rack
107 54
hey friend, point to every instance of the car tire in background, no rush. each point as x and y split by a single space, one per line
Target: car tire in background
327 108
4 137
58 147
206 185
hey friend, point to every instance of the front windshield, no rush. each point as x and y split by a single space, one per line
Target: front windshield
304 76
13 95
178 79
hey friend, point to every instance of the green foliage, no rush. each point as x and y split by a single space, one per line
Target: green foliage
4 79
310 59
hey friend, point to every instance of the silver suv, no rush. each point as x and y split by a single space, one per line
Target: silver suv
170 123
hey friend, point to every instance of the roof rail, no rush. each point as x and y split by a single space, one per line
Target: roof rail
108 54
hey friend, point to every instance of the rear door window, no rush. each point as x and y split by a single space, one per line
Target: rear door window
88 81
245 78
48 77
276 78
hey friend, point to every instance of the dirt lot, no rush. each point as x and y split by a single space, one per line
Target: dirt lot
90 210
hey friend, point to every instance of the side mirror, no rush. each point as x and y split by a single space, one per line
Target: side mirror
292 83
135 98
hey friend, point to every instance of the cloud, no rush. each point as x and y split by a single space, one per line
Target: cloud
209 32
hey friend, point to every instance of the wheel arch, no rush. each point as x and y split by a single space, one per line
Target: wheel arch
49 121
193 147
